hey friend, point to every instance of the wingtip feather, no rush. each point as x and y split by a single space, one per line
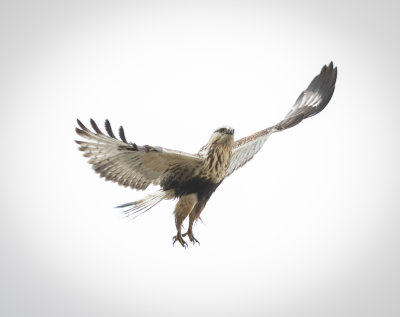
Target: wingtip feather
95 127
109 130
122 134
81 125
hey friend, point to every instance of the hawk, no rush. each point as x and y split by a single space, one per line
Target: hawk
191 178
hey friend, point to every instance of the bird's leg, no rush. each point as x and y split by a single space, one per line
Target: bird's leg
178 236
194 216
189 233
182 210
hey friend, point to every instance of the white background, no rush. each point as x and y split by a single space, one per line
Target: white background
308 228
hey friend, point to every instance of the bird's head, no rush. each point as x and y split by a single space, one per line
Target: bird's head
222 135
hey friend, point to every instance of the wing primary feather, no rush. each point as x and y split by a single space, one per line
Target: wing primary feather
83 133
79 132
122 134
109 129
95 127
82 126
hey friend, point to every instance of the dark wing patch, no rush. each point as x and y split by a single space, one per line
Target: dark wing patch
312 100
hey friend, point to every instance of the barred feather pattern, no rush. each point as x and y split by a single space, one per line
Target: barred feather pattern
129 164
113 159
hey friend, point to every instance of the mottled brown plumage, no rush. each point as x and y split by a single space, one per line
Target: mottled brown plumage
192 178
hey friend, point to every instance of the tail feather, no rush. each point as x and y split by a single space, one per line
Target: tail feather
139 207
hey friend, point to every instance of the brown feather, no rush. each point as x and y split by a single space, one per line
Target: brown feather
122 134
109 129
95 127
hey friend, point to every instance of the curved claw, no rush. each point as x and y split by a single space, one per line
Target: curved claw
179 238
191 237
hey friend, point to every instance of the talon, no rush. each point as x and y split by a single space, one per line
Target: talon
179 238
191 237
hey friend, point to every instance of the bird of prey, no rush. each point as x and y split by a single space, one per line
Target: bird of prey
191 178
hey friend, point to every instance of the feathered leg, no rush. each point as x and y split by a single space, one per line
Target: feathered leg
194 216
183 208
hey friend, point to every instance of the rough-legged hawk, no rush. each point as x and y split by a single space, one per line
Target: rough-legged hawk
192 178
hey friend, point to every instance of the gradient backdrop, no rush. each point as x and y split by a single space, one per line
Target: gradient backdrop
308 228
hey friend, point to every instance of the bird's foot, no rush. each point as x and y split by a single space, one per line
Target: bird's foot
191 237
179 238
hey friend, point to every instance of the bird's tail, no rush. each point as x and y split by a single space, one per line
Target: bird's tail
139 207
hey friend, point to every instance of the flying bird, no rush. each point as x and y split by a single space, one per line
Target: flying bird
191 178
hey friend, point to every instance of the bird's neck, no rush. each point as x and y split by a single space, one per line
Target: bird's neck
217 161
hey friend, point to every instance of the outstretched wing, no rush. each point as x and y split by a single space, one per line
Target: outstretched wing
310 102
126 163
